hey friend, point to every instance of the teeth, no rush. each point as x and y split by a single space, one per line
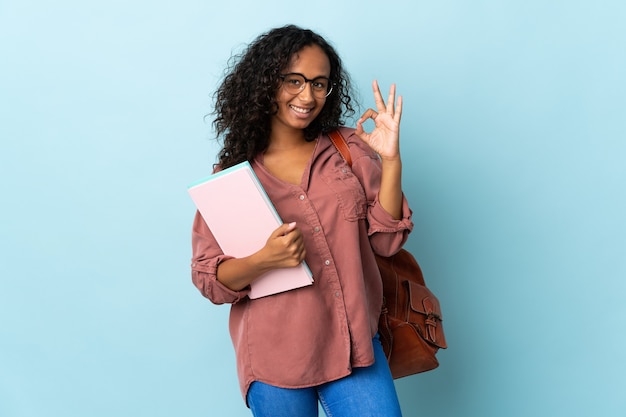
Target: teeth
301 110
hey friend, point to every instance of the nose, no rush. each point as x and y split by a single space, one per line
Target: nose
307 91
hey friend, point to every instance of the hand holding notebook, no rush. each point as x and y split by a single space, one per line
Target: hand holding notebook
242 218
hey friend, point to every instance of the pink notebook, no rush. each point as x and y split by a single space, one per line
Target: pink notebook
241 216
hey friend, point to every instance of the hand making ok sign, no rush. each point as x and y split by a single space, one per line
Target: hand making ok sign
384 138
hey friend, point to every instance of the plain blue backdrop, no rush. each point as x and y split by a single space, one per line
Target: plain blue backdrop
514 148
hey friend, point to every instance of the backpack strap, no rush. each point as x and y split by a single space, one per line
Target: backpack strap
342 146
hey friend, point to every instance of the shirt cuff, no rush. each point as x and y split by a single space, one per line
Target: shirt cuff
380 221
205 279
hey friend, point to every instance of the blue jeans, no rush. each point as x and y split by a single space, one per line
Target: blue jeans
365 392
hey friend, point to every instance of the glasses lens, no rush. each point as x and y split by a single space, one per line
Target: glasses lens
321 87
294 83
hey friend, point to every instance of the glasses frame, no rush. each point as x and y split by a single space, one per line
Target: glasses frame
331 85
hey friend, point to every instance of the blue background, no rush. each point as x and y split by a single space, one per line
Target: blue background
513 140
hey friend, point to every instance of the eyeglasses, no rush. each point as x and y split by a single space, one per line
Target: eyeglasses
294 83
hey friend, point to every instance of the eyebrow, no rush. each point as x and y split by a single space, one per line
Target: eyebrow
307 78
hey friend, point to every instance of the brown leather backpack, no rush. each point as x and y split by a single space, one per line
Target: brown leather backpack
410 324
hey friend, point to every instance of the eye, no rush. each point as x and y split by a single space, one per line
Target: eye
294 81
320 84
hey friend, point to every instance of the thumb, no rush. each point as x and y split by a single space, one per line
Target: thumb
290 227
285 229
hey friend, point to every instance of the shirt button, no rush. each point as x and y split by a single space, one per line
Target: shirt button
344 170
316 229
327 262
302 197
337 294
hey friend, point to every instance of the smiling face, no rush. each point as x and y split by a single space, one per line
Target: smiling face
297 111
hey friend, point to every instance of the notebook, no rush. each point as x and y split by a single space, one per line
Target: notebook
241 216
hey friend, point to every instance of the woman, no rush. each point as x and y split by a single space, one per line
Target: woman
317 343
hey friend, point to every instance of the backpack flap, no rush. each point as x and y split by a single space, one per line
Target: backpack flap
425 314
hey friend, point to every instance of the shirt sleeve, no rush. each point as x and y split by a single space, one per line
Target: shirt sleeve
206 256
387 235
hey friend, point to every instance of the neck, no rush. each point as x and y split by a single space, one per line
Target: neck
283 137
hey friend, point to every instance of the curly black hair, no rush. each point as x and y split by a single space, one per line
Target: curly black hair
246 99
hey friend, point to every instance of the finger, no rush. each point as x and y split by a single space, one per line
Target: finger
359 128
378 97
297 239
296 247
398 114
369 114
391 99
359 131
285 229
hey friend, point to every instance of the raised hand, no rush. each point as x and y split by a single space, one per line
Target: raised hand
384 138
